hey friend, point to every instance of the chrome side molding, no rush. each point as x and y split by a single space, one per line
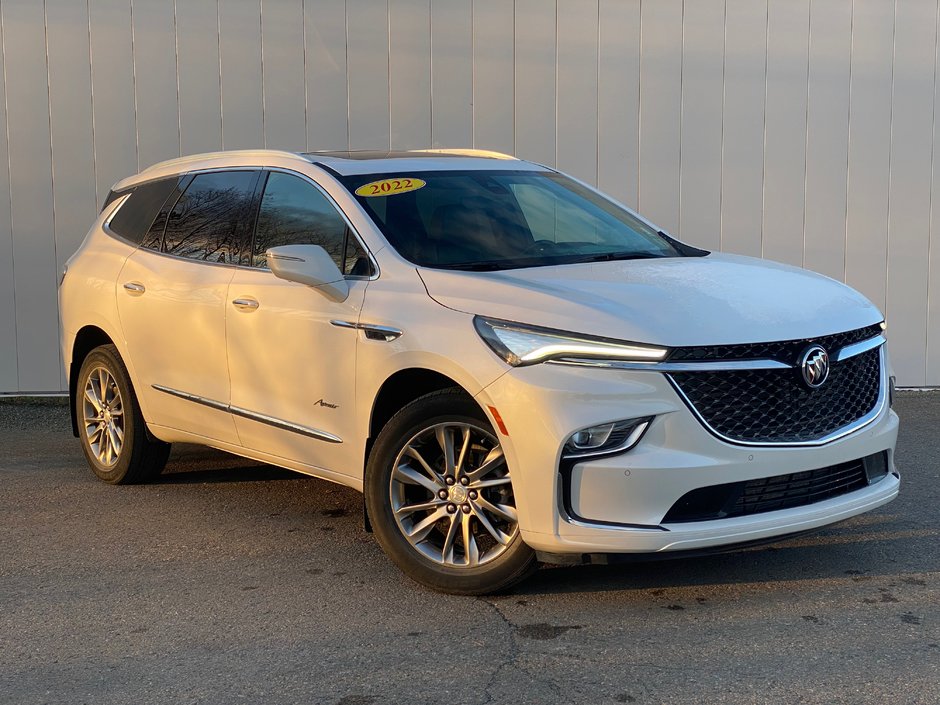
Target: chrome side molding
372 331
251 415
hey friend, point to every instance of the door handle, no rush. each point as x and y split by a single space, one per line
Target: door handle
134 288
245 304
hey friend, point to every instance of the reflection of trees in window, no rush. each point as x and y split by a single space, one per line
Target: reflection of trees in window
295 213
206 222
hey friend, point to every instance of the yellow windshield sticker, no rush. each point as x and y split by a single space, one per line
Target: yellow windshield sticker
389 187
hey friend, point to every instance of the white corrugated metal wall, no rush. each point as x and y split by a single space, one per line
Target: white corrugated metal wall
803 131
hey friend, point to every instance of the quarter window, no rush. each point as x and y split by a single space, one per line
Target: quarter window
210 220
294 212
134 218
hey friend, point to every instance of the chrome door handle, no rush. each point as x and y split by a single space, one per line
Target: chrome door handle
245 304
135 288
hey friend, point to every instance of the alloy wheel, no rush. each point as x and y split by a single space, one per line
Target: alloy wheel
452 497
103 414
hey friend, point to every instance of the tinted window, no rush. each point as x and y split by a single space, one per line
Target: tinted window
210 221
294 212
503 220
154 237
136 215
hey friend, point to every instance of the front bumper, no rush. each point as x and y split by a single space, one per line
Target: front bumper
617 504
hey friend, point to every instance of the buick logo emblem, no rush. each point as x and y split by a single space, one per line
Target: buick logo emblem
814 366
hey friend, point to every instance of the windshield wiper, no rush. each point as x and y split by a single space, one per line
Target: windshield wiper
612 256
471 266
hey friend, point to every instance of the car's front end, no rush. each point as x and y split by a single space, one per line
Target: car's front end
694 454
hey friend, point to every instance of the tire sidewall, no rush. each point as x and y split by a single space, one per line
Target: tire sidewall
105 357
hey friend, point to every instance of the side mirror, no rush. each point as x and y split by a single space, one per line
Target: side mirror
310 265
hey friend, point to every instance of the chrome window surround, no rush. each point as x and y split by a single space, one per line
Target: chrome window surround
844 353
252 415
332 201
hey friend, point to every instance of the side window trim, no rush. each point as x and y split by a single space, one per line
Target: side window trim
350 229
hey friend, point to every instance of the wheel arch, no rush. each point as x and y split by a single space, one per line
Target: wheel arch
86 340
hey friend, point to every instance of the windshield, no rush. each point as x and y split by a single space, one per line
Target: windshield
490 220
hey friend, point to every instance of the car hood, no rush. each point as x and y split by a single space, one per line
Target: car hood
675 301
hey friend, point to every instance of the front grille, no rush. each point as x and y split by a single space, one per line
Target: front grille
780 492
775 406
784 351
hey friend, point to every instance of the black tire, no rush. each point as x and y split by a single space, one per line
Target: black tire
512 561
139 457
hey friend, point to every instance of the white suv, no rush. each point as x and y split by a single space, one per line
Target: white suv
507 363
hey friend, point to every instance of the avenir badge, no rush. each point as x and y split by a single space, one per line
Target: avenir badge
390 187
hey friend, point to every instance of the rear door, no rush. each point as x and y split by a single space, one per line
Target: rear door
172 303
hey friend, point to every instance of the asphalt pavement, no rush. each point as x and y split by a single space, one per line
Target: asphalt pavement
228 581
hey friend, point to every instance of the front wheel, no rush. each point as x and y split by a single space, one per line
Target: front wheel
440 498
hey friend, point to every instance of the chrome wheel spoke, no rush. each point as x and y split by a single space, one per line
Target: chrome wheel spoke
409 475
495 482
471 551
464 447
409 509
413 453
494 460
445 438
502 511
493 531
92 397
420 531
447 552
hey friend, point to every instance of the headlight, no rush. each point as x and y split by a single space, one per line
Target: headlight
519 344
607 438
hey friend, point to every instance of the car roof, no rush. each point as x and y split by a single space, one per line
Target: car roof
348 163
343 163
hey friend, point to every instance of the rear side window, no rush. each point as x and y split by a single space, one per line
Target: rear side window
210 221
294 212
134 218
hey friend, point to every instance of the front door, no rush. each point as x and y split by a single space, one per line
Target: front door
292 367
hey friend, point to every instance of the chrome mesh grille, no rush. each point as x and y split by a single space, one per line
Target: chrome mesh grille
774 406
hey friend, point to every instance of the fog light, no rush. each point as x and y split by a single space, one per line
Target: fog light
607 438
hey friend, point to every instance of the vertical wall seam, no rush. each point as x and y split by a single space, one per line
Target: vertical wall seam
430 81
6 127
303 39
134 82
555 81
179 106
681 105
763 156
264 103
346 16
388 65
930 205
55 228
809 44
473 77
91 84
218 21
639 111
597 96
848 149
724 90
887 250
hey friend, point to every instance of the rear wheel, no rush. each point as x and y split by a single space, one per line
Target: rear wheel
113 434
440 498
